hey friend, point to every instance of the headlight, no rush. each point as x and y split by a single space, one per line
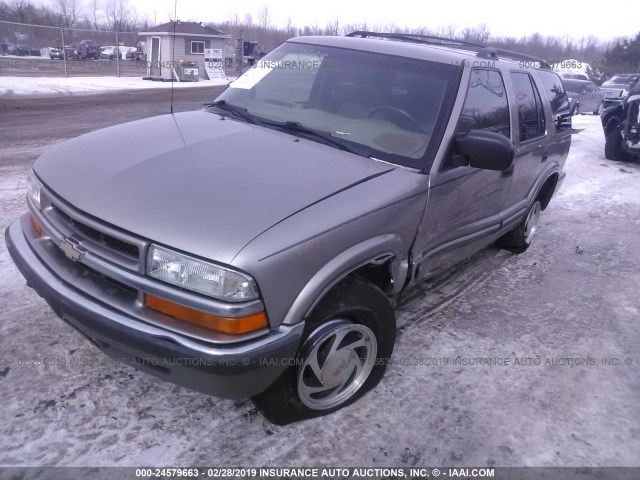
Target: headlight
33 189
199 276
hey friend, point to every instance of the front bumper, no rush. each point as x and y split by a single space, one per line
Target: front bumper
227 371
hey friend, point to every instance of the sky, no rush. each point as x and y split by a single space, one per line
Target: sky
503 18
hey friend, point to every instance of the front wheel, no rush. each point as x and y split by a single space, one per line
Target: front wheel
519 239
345 349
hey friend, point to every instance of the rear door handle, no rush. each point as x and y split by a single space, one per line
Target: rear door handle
544 157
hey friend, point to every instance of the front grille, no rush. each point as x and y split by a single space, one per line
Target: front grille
122 286
112 243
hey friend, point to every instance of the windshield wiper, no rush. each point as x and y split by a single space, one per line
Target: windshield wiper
235 109
324 137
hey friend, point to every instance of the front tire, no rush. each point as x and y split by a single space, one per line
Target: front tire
345 349
519 239
613 146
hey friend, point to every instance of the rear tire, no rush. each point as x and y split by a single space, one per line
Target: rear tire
519 239
344 352
613 146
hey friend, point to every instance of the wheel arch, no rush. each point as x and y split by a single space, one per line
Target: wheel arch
546 191
378 260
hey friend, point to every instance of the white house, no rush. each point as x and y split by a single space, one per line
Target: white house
171 42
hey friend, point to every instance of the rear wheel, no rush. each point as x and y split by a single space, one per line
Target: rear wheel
613 146
346 346
519 239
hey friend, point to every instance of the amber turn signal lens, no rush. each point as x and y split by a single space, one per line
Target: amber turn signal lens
233 326
36 225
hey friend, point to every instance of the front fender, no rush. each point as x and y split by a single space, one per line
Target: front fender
372 251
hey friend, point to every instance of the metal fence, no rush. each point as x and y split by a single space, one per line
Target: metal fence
35 50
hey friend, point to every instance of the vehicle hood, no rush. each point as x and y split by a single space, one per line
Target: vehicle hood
617 84
197 181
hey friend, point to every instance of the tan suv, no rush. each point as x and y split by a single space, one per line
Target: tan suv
257 247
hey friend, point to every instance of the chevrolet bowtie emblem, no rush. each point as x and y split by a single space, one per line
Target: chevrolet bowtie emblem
71 248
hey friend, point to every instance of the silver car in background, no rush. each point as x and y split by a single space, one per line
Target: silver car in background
584 96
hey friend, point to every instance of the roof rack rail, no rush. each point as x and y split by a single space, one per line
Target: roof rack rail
493 52
415 37
482 51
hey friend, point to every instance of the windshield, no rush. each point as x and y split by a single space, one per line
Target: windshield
393 106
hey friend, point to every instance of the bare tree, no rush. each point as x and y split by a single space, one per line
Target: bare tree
289 28
263 17
120 17
94 13
69 9
333 28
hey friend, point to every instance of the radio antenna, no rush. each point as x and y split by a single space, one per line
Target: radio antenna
173 50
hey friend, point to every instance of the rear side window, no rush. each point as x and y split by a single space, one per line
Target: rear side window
530 111
486 106
556 91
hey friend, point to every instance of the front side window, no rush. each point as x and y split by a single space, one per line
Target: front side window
530 111
395 108
197 47
486 106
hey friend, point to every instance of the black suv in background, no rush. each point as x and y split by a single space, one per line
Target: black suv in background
621 126
92 49
82 50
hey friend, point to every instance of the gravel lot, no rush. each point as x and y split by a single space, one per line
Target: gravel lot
560 321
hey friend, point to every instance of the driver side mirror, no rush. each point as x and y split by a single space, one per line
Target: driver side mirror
486 150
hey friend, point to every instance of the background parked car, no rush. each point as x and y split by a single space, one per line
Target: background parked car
76 51
621 125
56 53
110 52
616 89
92 49
24 51
574 76
140 53
584 96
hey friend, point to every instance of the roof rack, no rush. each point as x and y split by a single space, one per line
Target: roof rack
482 51
415 37
493 52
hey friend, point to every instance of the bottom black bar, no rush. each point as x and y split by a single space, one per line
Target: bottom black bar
309 473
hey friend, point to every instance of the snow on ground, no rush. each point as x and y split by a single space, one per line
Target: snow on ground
573 294
75 85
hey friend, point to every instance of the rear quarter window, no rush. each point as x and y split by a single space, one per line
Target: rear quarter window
555 91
